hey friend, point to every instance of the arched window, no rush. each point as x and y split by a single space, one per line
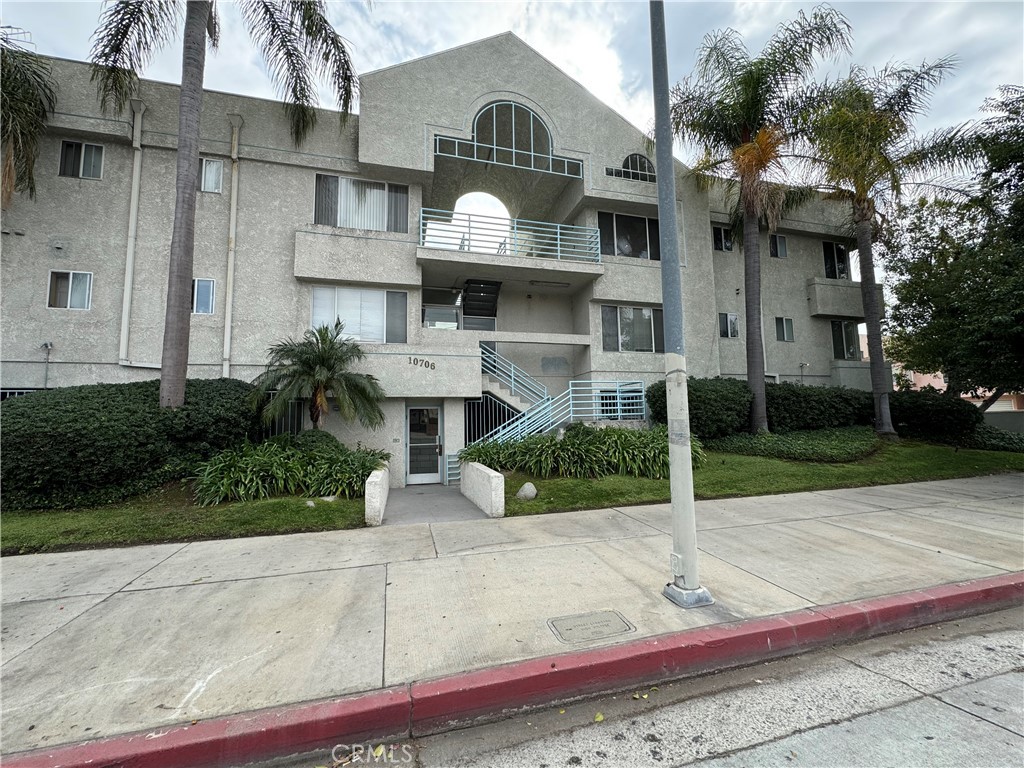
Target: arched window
635 167
516 133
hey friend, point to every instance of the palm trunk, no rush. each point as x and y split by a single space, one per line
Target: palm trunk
752 303
174 360
880 383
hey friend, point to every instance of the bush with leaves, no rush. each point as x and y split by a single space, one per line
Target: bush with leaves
718 407
307 467
931 415
794 407
989 438
583 452
100 443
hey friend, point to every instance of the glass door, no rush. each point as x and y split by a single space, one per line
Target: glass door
425 451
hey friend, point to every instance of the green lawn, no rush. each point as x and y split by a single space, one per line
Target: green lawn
728 474
169 514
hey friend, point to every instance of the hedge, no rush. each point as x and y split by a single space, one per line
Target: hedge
718 407
930 415
794 407
96 444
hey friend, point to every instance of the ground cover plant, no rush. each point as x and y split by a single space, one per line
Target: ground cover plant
824 445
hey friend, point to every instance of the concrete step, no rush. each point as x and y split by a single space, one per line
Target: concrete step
498 389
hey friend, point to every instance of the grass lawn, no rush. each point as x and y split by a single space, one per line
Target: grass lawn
169 514
728 474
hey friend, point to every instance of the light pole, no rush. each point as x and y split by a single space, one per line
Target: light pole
684 590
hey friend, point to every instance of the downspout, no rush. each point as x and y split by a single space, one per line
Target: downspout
138 107
229 286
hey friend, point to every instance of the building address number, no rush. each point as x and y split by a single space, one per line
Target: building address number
422 363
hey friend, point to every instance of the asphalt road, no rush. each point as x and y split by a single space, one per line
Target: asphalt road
949 695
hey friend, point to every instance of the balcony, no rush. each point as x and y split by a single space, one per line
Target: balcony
834 298
549 254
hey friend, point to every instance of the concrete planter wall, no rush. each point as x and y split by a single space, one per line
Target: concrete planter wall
375 495
484 487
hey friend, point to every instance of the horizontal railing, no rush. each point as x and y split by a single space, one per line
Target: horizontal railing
521 384
467 149
583 401
454 231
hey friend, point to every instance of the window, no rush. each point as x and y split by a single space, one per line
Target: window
632 329
369 315
340 201
70 290
635 167
633 236
837 261
210 174
728 325
784 328
845 340
203 291
777 246
722 238
81 161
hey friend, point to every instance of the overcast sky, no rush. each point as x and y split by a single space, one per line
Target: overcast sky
604 45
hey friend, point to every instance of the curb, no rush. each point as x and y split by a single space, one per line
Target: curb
427 707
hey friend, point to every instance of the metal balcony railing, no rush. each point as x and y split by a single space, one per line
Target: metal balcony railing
467 149
453 231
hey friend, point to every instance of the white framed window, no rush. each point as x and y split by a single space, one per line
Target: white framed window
777 246
341 201
784 329
369 314
634 236
721 238
837 260
728 325
845 340
211 174
632 329
81 161
204 292
70 290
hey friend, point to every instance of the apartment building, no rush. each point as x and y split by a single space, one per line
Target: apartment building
468 320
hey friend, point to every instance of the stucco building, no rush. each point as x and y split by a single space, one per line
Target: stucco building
363 222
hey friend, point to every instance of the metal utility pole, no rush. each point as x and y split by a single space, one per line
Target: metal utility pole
684 590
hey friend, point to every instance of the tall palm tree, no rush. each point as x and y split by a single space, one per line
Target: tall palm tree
298 45
314 367
741 112
864 143
27 100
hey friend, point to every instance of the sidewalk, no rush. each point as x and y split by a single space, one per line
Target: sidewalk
107 642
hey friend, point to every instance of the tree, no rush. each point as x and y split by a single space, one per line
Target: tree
742 112
864 143
315 367
27 100
958 268
298 45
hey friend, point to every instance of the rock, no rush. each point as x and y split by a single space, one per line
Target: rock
527 492
310 503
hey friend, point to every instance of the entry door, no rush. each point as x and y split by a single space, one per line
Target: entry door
424 446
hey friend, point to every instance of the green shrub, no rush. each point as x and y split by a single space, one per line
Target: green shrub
718 407
821 445
316 439
931 415
989 438
583 452
794 407
268 469
95 444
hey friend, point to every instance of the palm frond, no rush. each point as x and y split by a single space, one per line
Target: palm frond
792 52
129 34
27 99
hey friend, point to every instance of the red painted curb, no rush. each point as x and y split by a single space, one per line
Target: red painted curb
240 738
430 706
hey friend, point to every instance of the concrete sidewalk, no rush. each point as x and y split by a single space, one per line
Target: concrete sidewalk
112 641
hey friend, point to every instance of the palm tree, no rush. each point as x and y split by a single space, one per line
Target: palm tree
314 366
741 112
864 143
298 44
27 100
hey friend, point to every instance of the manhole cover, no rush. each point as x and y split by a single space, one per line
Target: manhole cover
589 626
